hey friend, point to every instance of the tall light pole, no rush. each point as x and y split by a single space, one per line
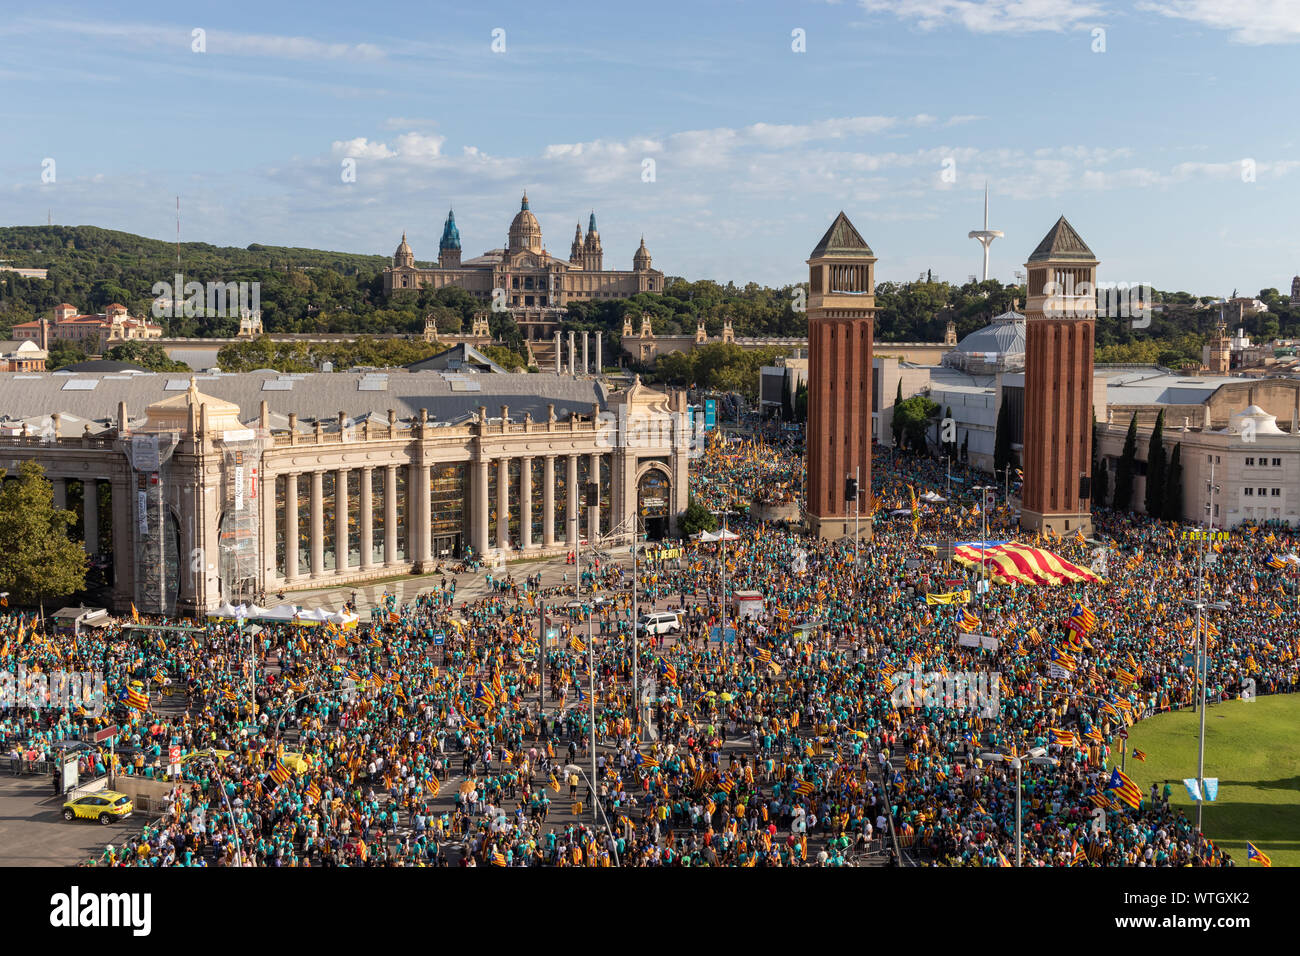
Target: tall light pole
983 490
1037 755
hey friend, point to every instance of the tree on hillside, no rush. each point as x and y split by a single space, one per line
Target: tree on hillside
1155 490
38 559
145 355
1123 498
63 353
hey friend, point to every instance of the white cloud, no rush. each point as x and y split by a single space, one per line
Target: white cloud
218 42
1254 22
993 16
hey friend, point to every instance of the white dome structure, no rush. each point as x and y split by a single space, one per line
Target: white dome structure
1252 420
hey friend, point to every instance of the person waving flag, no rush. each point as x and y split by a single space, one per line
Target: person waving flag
1125 789
1253 853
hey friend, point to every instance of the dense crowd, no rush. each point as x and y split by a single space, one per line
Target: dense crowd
439 732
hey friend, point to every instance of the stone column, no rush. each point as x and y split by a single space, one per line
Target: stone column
586 353
599 362
341 521
423 542
390 514
571 488
60 492
548 502
365 516
593 515
90 515
572 356
481 531
290 526
503 503
526 502
559 353
317 524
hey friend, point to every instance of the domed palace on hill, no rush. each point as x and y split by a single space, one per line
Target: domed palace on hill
537 286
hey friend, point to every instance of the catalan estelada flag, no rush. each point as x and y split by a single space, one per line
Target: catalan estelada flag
1139 755
135 615
313 792
484 696
434 786
1274 562
1125 789
669 673
136 700
1253 853
968 621
804 788
1065 738
1077 855
1082 620
280 773
498 858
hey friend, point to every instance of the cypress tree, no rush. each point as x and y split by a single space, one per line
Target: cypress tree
1155 491
1002 454
895 426
1123 498
1174 486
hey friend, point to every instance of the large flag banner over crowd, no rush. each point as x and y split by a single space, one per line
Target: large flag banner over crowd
839 704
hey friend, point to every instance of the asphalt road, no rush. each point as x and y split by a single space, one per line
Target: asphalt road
34 833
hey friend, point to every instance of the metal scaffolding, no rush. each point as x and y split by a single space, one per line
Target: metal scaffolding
156 560
240 532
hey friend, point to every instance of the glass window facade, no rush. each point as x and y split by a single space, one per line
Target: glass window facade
561 498
377 514
281 522
536 472
401 531
447 508
354 518
329 508
514 469
304 523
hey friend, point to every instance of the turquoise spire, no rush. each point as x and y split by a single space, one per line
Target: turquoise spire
450 234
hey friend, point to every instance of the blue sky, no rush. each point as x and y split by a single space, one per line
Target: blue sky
897 112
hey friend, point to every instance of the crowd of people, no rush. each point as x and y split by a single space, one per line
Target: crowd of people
446 731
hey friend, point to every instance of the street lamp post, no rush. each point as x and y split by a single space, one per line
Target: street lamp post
1037 754
983 490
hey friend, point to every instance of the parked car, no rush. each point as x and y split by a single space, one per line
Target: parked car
105 806
661 622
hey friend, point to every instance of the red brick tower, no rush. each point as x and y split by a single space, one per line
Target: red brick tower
841 317
1060 318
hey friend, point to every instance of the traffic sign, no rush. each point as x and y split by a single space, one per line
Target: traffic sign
1123 733
174 755
438 639
101 735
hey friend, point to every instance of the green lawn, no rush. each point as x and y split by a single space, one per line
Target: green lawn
1253 747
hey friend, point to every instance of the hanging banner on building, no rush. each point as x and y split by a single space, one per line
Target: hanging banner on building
239 487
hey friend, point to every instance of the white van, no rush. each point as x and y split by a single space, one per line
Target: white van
662 622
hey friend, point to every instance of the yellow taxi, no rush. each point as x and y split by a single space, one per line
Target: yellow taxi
105 806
